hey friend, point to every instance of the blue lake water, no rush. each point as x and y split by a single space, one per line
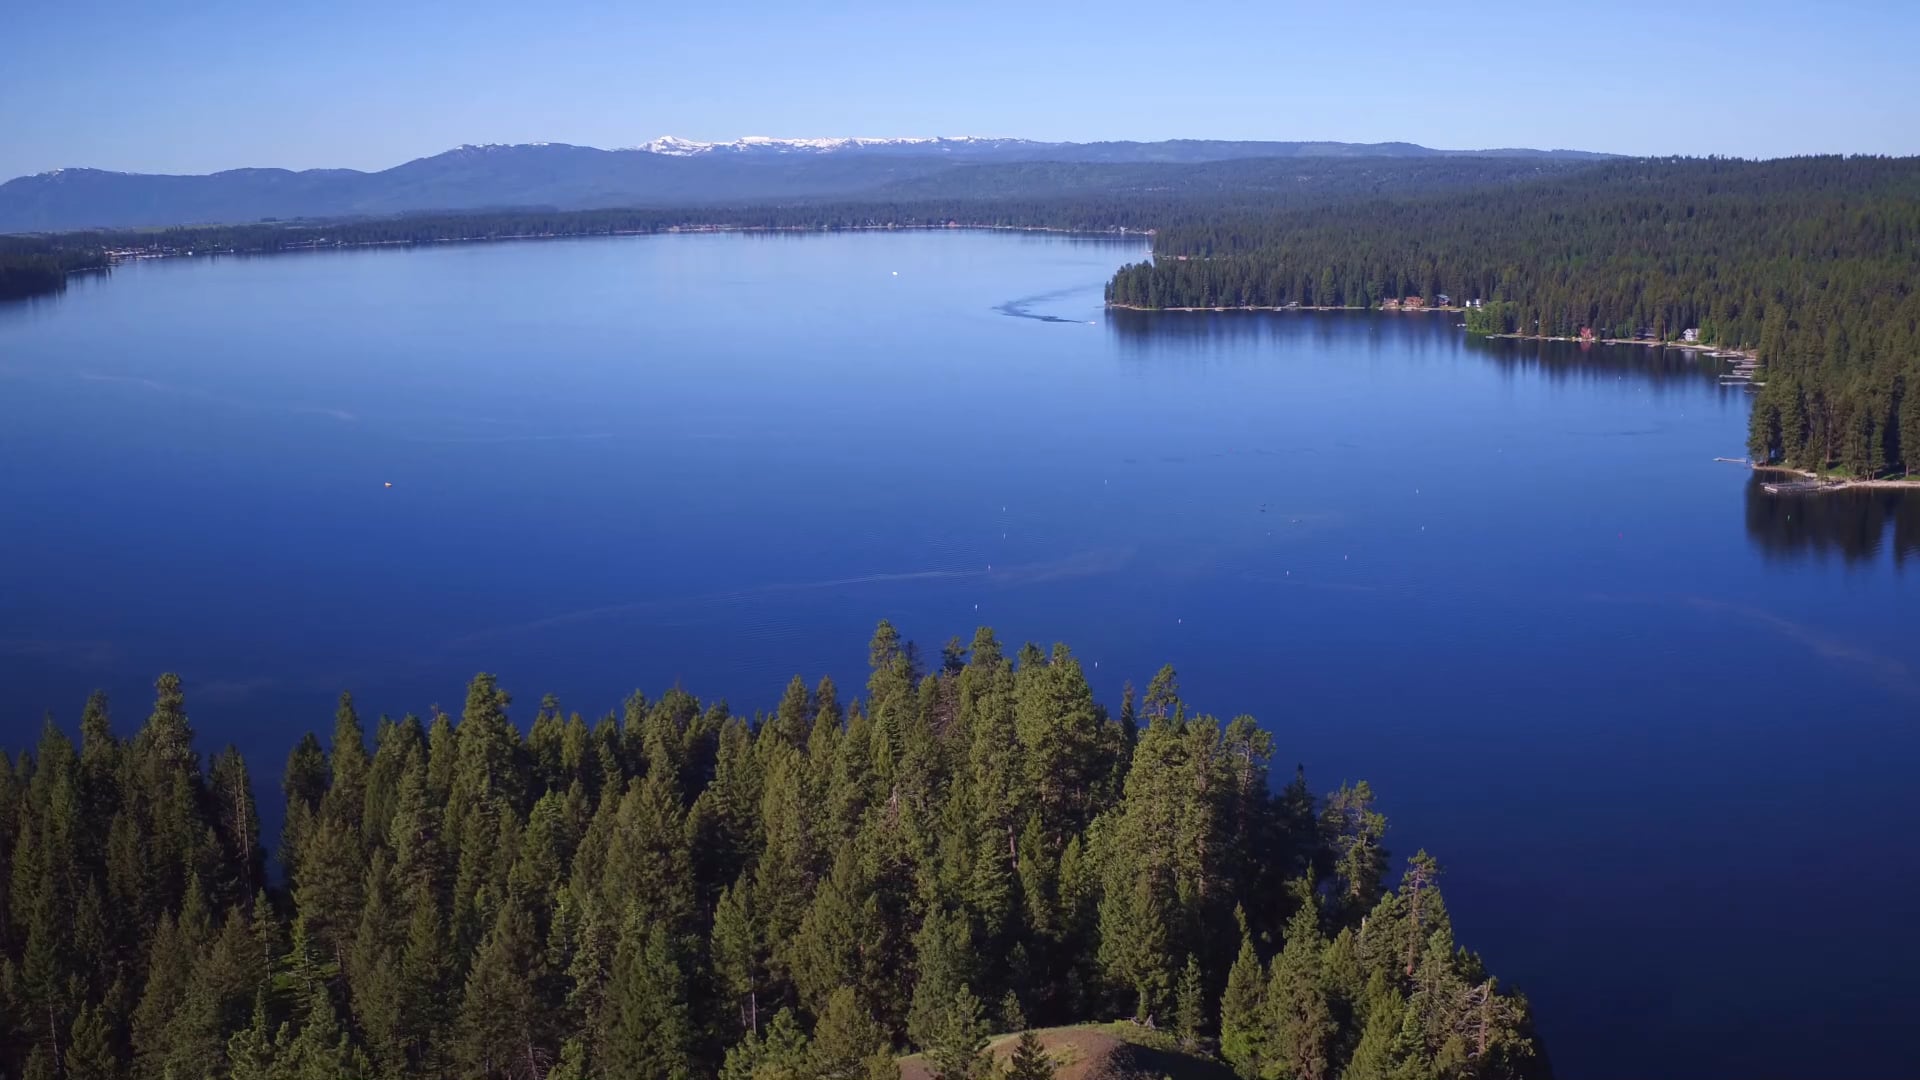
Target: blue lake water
1657 726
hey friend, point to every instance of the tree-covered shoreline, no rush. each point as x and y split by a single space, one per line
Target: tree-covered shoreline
679 891
1809 263
37 266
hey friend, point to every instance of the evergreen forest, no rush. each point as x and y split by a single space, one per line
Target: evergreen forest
972 845
1811 263
34 265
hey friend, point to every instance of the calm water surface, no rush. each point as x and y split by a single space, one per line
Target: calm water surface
1657 725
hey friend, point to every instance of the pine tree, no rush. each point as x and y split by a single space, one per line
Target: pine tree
573 1061
1029 1060
835 944
216 1002
498 1031
327 887
346 799
1353 830
1302 1019
169 971
304 783
419 1029
781 1054
648 864
252 1051
1189 1006
959 1042
321 1050
943 957
1381 1053
848 1044
1133 942
90 1051
739 954
649 1036
1060 730
1012 1016
1243 1027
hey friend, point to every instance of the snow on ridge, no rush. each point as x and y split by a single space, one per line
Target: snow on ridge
674 146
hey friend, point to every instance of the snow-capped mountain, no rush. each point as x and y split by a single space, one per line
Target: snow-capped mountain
667 171
674 146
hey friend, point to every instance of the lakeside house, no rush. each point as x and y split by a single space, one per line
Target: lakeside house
1690 335
1389 304
1443 300
1413 303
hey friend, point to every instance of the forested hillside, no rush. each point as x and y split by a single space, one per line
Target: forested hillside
1813 262
678 891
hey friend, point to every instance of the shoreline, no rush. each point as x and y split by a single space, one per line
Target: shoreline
1726 351
1810 483
1689 346
1813 483
116 257
1240 307
1454 310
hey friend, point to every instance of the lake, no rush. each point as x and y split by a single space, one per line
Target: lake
1657 725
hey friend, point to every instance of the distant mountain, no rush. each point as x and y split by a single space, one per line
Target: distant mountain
666 171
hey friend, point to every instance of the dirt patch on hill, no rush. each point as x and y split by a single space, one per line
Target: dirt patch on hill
1090 1053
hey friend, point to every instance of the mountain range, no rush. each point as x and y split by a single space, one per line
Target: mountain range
665 171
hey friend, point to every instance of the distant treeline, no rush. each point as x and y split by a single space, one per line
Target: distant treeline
38 264
1813 262
32 265
1069 196
676 891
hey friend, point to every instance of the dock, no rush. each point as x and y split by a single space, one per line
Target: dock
1796 487
1740 372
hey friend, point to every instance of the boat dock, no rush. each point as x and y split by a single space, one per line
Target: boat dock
1795 487
1741 371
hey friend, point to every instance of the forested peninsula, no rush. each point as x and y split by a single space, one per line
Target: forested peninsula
677 891
1810 263
33 266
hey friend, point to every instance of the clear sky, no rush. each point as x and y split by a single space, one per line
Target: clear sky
178 86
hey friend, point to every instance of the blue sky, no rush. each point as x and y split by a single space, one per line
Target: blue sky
167 86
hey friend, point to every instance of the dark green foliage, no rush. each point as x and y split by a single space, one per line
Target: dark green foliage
1029 1060
781 1054
1189 1006
958 1046
848 1044
1243 1009
649 1035
1301 1027
680 893
1810 262
32 265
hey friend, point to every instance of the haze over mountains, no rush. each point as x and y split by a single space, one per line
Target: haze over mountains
665 171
